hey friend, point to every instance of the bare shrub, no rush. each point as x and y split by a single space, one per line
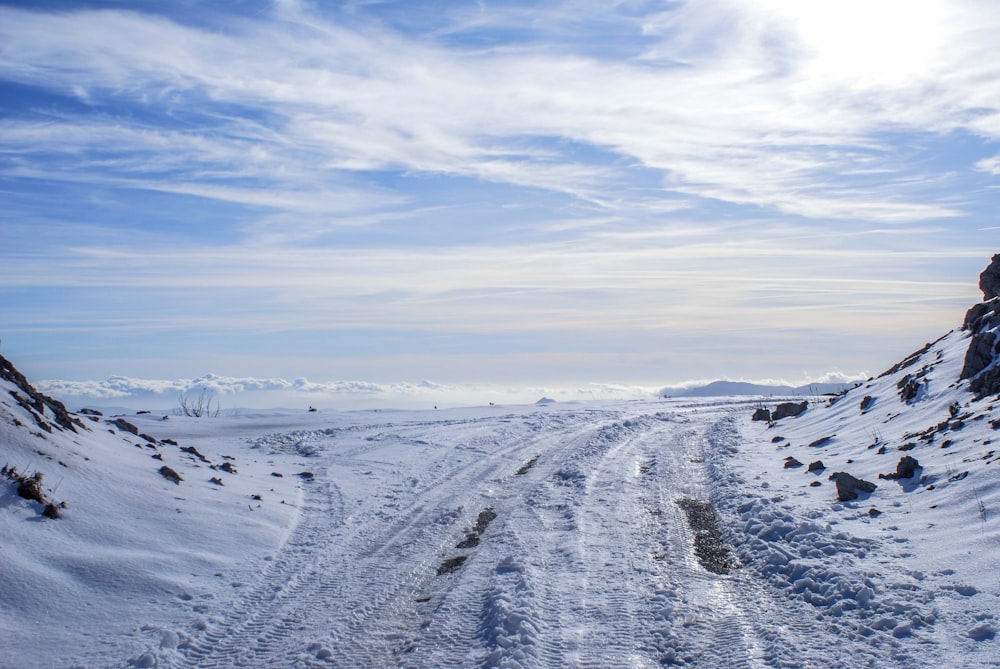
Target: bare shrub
203 404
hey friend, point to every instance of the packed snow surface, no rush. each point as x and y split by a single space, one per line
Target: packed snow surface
605 534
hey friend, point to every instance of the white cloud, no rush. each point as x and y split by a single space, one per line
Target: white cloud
769 88
991 165
239 392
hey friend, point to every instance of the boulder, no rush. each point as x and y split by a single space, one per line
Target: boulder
816 466
905 469
169 474
788 409
762 414
125 426
848 486
791 463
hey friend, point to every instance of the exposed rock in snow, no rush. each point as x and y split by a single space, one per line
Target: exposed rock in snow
905 469
43 409
849 486
789 410
792 463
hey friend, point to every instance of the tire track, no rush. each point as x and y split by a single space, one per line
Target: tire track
243 637
337 595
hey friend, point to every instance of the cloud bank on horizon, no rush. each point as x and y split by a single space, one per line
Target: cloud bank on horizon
231 393
636 191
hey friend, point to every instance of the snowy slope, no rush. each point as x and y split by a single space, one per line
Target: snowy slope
594 534
908 570
130 546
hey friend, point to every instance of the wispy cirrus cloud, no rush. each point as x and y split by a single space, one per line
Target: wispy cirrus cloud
747 119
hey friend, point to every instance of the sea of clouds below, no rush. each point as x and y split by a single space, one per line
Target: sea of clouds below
232 393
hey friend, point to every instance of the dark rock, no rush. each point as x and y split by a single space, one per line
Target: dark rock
762 414
987 383
526 467
486 516
975 315
125 426
148 438
815 484
848 486
821 441
31 488
194 451
908 388
471 540
791 463
867 403
90 412
816 466
981 353
308 476
775 440
36 403
905 469
789 409
228 468
216 480
51 511
874 513
983 321
908 446
169 474
277 474
451 564
989 280
906 362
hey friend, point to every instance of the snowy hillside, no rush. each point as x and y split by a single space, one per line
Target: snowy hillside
598 534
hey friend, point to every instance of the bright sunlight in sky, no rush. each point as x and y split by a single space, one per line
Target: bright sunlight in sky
572 192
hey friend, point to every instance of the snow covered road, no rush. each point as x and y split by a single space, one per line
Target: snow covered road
588 562
591 535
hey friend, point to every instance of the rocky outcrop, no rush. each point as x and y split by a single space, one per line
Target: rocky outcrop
762 414
983 323
37 404
989 280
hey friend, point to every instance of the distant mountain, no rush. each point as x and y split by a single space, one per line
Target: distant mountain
729 388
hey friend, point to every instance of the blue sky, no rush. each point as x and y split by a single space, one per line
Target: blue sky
511 192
